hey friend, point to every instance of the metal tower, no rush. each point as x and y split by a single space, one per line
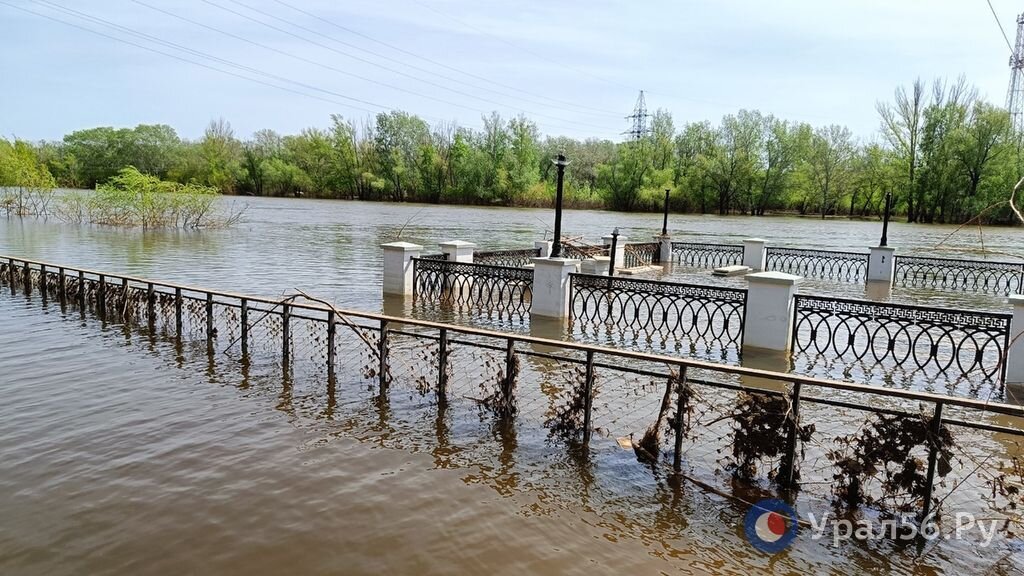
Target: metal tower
638 119
1015 94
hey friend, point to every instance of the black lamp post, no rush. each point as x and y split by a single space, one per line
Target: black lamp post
611 254
885 220
664 222
556 246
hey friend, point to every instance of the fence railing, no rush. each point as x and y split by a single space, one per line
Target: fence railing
509 258
496 291
956 344
706 319
821 264
706 255
1003 278
732 423
582 252
641 254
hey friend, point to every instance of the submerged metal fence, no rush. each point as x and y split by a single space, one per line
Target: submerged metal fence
821 264
716 424
495 291
958 345
706 255
641 254
508 258
1002 278
705 320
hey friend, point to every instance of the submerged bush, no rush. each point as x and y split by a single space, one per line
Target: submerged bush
132 198
26 186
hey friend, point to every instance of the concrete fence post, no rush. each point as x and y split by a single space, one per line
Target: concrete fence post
620 249
458 251
398 266
665 252
551 286
1015 355
755 254
768 323
598 265
882 265
544 246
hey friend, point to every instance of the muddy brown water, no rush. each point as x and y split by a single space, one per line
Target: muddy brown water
118 457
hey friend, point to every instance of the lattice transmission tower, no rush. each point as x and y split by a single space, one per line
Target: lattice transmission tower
1015 94
638 120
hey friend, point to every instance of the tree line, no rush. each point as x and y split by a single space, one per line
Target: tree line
944 154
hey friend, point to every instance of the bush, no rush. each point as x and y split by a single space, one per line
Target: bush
135 199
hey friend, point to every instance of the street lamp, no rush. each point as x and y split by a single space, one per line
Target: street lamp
885 220
556 246
611 253
664 222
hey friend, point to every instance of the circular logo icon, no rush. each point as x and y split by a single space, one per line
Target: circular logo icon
770 525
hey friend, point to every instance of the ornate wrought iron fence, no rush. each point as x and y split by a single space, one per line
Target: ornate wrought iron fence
912 339
642 254
510 258
730 424
581 252
500 291
1003 278
823 264
706 318
706 255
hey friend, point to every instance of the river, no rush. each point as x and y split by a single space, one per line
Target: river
116 460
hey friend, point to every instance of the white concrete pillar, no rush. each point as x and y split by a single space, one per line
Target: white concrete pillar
597 265
620 249
398 266
1015 356
458 251
755 254
882 265
665 255
544 246
551 286
768 321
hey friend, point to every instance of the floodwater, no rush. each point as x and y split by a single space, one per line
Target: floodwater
116 457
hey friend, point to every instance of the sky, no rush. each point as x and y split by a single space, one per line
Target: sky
574 67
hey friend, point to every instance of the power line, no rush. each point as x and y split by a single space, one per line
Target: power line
378 65
84 16
524 49
186 60
446 66
1000 25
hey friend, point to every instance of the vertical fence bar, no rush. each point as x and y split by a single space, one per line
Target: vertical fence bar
331 335
42 282
382 355
677 457
933 453
286 317
124 297
245 327
510 373
26 280
81 290
150 305
101 296
177 312
209 317
62 286
442 366
13 275
588 397
793 436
